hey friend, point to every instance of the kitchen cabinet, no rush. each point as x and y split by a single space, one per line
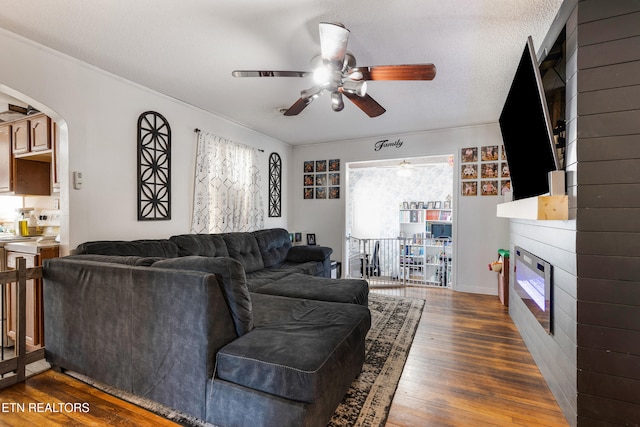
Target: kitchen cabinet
27 157
31 134
31 177
40 128
21 136
6 159
34 255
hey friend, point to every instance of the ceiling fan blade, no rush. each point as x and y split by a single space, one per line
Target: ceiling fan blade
395 72
366 103
298 106
333 43
256 73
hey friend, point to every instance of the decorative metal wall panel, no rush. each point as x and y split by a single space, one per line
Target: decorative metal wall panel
275 185
154 167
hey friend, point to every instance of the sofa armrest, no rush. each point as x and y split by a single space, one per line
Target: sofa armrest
308 253
154 332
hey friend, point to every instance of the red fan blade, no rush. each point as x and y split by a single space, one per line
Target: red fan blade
395 72
366 104
298 106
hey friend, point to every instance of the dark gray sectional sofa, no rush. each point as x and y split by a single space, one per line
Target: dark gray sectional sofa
237 329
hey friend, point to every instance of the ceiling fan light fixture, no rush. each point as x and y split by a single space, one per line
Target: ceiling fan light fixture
333 42
337 104
405 169
321 75
311 94
355 75
357 88
404 172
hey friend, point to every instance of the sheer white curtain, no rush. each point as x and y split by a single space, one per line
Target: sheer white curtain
227 187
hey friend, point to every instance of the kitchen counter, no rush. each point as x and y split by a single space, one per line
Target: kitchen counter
6 238
34 251
30 246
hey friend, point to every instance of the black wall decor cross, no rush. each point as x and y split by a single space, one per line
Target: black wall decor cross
154 167
275 185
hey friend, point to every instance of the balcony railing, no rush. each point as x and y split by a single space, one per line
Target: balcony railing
400 261
13 363
376 260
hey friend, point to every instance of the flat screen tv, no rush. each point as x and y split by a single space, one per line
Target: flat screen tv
441 231
526 130
533 285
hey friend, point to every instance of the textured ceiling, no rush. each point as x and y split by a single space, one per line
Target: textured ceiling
187 49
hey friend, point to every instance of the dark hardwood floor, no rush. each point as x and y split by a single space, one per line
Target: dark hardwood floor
468 366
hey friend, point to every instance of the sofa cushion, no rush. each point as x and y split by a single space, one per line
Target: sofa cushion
352 291
200 244
268 275
231 279
118 259
298 347
274 245
243 247
144 248
308 253
311 268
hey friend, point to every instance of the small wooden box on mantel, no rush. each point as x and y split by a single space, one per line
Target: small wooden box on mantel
539 208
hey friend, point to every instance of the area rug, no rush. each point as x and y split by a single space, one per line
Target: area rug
394 322
393 325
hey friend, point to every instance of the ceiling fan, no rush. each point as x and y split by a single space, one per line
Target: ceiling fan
335 72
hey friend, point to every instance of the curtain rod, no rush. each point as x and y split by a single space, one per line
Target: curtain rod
196 130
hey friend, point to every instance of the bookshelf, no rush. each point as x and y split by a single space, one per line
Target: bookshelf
426 246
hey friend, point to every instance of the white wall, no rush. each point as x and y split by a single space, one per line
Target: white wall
98 114
478 233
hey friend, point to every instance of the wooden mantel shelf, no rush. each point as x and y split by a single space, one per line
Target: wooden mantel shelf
540 208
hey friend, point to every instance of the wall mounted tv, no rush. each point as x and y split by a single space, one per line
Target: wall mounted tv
533 285
526 130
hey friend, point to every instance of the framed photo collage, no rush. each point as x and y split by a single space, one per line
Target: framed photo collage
322 179
484 171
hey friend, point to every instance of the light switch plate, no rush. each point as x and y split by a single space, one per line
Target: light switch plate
78 180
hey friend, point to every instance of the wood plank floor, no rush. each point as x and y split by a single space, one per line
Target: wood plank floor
468 366
46 400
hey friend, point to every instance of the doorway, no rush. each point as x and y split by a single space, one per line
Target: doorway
31 135
386 211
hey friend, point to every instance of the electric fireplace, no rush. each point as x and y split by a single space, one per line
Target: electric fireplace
532 283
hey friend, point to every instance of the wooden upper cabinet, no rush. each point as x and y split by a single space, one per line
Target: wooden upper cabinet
32 134
40 126
26 156
21 137
6 159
